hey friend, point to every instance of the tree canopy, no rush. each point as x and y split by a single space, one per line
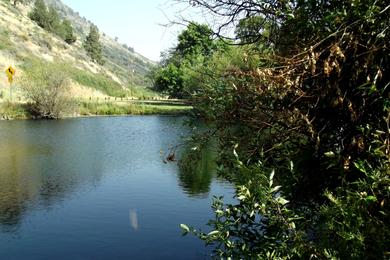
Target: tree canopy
195 45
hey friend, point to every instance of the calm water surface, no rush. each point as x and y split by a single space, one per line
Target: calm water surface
97 189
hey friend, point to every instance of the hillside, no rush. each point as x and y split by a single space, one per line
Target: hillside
119 56
23 42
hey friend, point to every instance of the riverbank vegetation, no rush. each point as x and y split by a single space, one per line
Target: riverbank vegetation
43 91
130 108
17 110
301 106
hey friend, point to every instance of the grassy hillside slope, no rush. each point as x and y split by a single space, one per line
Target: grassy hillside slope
23 42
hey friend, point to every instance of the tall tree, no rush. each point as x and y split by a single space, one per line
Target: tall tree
93 46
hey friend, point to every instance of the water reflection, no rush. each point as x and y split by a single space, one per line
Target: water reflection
197 169
44 162
39 166
98 186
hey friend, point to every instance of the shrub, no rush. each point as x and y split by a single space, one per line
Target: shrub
46 88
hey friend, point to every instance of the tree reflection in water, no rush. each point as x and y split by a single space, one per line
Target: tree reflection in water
197 169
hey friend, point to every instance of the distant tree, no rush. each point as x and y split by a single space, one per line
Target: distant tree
39 14
196 39
53 20
92 45
50 21
195 46
169 79
116 39
253 29
67 32
18 1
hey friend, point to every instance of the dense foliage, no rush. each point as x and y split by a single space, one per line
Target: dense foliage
48 19
302 114
195 46
93 46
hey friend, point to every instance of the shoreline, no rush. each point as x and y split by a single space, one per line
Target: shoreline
17 111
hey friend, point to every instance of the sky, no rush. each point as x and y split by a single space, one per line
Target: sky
138 23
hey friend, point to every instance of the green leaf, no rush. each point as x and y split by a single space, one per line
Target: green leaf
275 189
329 154
235 153
241 197
271 178
185 228
371 198
331 198
213 233
360 166
282 201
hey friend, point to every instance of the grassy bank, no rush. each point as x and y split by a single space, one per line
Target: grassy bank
13 111
109 108
10 111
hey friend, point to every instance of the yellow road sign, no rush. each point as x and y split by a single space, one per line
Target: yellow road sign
10 74
10 71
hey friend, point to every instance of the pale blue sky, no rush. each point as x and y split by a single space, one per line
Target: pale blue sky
134 22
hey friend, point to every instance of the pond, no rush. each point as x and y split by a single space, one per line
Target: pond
97 188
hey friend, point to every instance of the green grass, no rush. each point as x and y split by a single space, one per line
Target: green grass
20 110
142 92
96 81
109 108
14 111
99 82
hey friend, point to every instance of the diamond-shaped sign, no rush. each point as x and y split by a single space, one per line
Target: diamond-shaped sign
10 74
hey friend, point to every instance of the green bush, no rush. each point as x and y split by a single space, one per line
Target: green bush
46 88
